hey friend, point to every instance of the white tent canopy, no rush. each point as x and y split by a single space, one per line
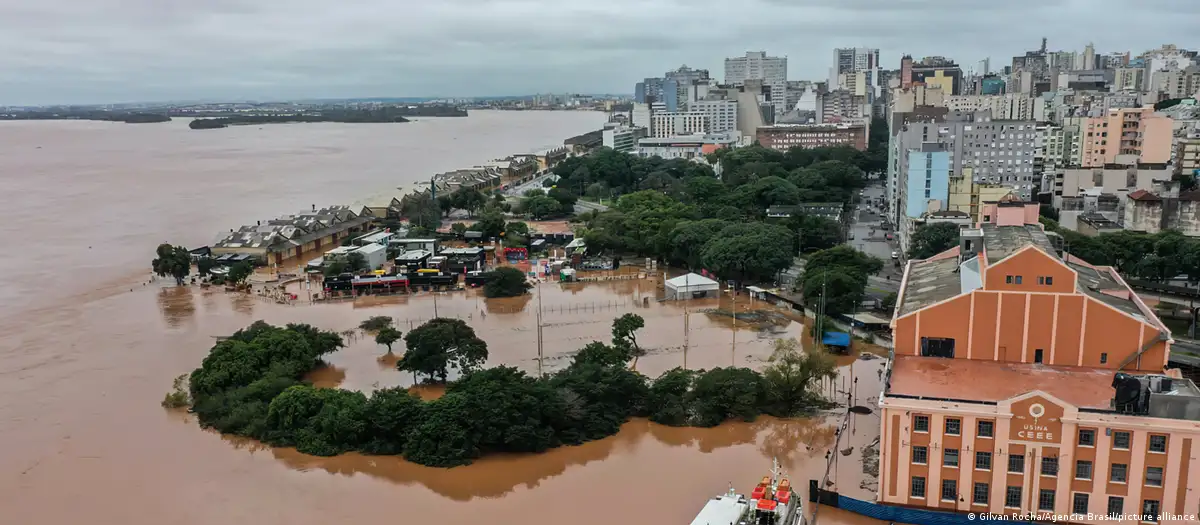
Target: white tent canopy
691 285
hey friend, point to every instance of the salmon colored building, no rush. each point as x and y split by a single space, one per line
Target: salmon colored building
1025 380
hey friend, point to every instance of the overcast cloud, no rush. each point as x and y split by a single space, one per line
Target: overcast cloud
86 51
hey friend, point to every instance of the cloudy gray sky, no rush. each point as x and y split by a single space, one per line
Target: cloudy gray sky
85 51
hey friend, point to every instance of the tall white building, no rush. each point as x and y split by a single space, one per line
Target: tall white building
665 125
854 60
622 138
640 117
756 65
721 114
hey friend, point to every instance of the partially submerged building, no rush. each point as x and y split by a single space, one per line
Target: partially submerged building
1025 380
289 238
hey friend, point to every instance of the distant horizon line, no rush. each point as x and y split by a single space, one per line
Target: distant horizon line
308 99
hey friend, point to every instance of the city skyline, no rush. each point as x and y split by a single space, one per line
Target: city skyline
109 51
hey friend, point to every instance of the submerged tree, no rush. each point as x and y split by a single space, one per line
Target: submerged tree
174 261
624 331
506 281
792 376
438 345
386 336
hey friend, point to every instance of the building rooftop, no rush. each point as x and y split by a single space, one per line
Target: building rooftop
1164 396
993 381
929 281
943 277
1002 241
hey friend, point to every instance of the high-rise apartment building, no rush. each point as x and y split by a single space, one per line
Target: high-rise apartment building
756 65
721 115
855 60
669 124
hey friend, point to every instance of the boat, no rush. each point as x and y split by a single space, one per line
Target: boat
772 502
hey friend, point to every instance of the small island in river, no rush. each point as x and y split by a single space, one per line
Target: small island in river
356 116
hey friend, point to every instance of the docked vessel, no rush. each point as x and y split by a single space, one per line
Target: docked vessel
772 502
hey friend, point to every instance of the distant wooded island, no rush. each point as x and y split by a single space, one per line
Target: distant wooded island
106 116
356 117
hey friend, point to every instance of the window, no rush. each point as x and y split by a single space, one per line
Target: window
1158 443
920 423
1087 437
950 457
953 426
1154 476
1018 279
986 429
1103 357
1037 355
1049 466
1049 281
1016 464
1041 280
918 487
920 455
1116 506
1046 499
1012 497
1083 469
1080 503
1150 510
1118 473
1120 440
983 461
949 490
979 495
1008 279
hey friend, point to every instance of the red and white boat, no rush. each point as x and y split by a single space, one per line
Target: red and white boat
772 502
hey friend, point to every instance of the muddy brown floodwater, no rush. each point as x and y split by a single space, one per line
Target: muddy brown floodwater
87 350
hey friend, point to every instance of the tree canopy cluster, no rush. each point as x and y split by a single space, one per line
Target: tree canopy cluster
506 281
250 385
681 212
931 239
840 274
1152 257
174 261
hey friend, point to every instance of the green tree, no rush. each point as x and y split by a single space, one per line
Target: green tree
376 323
459 229
889 301
421 210
468 199
490 224
793 375
841 287
204 266
506 281
174 261
239 272
843 256
335 268
356 262
541 207
669 397
566 199
624 332
931 239
517 228
814 233
604 355
689 237
721 394
752 251
390 414
441 344
387 336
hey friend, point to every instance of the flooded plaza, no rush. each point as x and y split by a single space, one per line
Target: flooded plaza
87 351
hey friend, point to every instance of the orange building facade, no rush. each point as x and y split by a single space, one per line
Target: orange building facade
1026 381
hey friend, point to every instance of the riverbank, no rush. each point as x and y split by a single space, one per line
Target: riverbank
357 117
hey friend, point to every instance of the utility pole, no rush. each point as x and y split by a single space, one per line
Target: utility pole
435 308
539 331
733 352
685 319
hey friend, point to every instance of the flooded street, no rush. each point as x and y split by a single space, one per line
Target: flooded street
84 361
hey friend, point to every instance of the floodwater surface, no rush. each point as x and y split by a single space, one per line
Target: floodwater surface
88 348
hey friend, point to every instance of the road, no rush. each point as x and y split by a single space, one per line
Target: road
533 184
864 221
